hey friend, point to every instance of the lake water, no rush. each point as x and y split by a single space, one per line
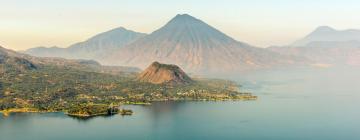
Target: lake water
320 104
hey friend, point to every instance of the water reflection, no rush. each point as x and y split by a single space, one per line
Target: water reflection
85 119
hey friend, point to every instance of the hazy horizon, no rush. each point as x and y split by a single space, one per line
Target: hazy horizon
28 24
187 69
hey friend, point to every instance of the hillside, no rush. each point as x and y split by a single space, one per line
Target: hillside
158 73
20 62
9 61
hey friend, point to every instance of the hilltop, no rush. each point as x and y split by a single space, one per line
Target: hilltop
158 73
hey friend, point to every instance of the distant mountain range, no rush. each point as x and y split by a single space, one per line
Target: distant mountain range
96 47
200 48
325 36
326 46
185 41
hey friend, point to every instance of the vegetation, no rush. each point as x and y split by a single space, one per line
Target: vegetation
52 88
86 88
89 110
126 112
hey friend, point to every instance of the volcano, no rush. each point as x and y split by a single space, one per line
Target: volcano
158 73
194 46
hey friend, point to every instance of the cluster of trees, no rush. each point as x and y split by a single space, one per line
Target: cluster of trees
87 110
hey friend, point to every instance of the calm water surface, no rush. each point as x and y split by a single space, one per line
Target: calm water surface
306 104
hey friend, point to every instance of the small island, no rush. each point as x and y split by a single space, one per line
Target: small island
92 110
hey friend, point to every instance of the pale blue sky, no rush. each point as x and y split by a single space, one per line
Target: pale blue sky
28 23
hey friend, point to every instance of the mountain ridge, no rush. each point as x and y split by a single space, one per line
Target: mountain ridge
326 46
93 48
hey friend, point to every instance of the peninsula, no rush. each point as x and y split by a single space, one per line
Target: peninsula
85 88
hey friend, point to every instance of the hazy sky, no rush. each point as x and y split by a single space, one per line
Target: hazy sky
29 23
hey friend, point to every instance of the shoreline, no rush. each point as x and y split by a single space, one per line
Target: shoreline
7 112
86 115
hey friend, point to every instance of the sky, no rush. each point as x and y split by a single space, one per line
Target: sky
30 23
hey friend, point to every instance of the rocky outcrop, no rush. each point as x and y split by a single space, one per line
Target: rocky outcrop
158 73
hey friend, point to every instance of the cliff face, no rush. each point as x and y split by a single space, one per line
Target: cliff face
158 73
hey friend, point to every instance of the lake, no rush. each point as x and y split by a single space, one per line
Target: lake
317 104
